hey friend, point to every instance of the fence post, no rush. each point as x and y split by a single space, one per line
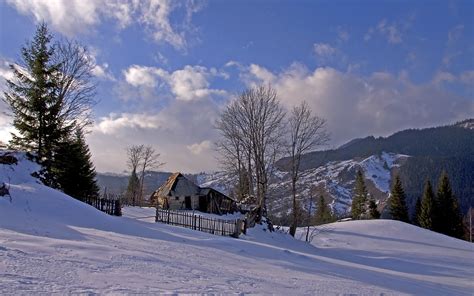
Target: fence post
168 217
194 222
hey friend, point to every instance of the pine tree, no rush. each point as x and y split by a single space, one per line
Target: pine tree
373 212
448 217
73 169
323 212
426 214
359 200
32 98
397 203
132 189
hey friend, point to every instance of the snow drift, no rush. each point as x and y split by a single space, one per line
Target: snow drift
51 243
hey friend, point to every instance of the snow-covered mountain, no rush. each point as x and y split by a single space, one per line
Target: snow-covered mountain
51 243
334 180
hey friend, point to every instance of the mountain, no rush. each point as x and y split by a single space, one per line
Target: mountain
415 154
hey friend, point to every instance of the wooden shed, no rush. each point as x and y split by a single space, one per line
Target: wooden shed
179 193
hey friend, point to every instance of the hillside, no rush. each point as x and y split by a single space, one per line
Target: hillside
51 243
413 154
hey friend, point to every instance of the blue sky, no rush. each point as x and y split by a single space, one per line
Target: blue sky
166 68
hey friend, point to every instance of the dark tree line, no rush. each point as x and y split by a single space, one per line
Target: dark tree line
439 212
50 98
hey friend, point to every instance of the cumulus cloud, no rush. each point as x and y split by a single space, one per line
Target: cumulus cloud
199 148
358 106
102 72
71 17
182 132
187 84
138 76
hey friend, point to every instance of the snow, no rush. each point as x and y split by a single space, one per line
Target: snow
53 244
148 214
377 169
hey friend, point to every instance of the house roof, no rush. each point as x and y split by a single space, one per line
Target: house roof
177 184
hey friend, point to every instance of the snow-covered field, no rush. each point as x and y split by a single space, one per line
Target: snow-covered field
51 243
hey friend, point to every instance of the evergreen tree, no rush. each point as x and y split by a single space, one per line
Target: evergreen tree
448 217
33 100
397 203
373 212
359 200
323 212
132 189
415 219
73 169
426 214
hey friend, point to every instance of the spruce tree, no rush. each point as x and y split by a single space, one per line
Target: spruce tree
448 217
373 212
398 208
359 200
32 99
75 174
132 189
426 214
323 212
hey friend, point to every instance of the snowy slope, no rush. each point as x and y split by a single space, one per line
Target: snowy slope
51 243
335 179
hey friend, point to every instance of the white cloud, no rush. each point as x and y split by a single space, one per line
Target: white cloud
187 84
71 17
5 120
324 50
101 71
137 75
182 132
357 106
199 148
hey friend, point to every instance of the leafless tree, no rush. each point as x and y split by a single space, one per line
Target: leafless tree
232 149
306 132
75 84
134 157
149 160
251 128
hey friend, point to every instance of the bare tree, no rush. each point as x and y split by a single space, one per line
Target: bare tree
75 84
251 128
306 132
134 157
232 149
149 160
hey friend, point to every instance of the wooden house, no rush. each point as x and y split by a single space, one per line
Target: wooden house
179 193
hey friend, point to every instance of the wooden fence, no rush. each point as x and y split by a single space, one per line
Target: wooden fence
214 226
109 206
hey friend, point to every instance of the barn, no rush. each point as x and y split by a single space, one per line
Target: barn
179 193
